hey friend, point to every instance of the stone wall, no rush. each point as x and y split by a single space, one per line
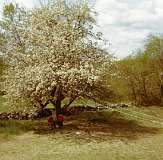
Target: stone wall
25 115
75 110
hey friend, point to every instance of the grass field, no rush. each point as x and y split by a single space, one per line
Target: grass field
123 134
3 106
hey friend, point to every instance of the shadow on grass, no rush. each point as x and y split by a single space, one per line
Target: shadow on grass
87 126
100 125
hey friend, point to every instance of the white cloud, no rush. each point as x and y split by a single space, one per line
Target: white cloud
26 3
126 23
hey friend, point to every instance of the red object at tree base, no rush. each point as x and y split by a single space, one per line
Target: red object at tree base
60 118
50 121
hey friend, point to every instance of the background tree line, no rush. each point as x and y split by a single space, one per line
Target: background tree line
139 76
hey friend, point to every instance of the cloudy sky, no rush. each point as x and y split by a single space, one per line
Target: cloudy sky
124 23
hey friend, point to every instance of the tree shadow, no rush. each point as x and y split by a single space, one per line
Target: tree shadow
99 126
87 126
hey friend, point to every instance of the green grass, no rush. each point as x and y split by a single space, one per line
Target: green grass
152 116
105 135
10 128
3 106
79 102
83 101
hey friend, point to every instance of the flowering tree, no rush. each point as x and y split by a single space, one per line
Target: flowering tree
57 55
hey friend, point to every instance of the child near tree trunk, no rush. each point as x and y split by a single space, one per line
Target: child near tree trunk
54 122
60 120
51 123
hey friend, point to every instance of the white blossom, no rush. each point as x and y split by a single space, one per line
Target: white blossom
55 53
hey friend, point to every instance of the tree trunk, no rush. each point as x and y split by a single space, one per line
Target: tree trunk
57 102
58 107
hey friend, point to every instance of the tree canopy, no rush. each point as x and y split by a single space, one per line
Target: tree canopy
55 54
